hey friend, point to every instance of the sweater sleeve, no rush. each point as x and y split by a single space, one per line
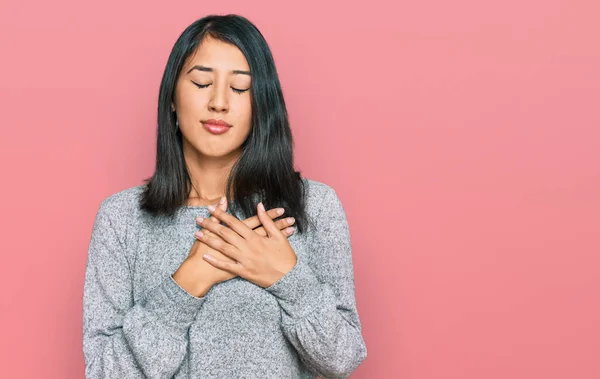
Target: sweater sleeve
123 339
319 315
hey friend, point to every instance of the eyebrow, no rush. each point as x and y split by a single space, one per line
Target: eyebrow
210 69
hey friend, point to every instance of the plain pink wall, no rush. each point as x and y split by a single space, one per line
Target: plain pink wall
463 138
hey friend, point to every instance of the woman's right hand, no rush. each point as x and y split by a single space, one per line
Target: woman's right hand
197 276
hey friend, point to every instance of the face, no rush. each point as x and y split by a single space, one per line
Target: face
214 84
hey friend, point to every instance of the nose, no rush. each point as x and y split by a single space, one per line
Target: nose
219 101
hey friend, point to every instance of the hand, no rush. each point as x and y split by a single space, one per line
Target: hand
194 274
197 276
263 260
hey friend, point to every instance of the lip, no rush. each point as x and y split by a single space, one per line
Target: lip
212 121
216 126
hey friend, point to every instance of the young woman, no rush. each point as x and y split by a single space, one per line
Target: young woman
177 287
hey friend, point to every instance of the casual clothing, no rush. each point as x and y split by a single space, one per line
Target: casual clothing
138 322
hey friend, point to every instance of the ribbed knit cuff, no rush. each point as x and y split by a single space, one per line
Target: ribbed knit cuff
299 292
170 301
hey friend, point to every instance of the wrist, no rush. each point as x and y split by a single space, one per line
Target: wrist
190 283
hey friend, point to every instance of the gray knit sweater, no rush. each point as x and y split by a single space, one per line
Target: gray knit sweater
139 323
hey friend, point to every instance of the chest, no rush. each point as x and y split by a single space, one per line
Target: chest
161 250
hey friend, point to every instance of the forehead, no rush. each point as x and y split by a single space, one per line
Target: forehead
219 55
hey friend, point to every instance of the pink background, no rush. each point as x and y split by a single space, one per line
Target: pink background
462 136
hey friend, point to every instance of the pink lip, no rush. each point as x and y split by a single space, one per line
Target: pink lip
216 126
215 122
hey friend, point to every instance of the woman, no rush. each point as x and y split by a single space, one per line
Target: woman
176 287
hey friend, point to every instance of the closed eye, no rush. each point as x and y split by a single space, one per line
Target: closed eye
201 85
239 90
236 90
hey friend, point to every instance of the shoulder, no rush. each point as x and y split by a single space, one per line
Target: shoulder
117 215
122 204
316 191
320 197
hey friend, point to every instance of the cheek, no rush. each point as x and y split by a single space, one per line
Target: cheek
244 107
191 99
192 102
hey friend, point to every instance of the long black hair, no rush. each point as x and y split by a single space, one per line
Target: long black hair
266 164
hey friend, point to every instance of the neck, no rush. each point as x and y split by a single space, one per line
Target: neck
208 175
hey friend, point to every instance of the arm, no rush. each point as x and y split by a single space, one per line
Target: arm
122 339
319 315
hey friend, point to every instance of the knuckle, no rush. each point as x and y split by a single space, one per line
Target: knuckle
229 250
220 231
257 238
261 243
225 217
216 243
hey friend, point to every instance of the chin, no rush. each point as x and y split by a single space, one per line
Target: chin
218 153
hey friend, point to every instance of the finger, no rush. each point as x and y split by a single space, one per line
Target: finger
234 268
284 223
218 244
217 254
262 232
223 205
281 225
232 222
253 222
267 222
221 231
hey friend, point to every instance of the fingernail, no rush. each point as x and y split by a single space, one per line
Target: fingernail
222 201
280 211
290 220
199 234
211 208
206 256
261 207
200 219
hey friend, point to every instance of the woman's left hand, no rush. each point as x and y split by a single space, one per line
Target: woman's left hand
262 260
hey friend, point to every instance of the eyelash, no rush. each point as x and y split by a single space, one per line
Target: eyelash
239 91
